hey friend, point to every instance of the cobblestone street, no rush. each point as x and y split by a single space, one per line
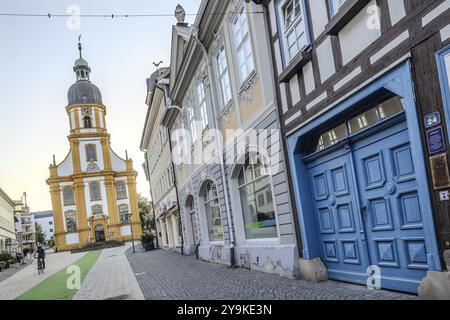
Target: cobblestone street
167 275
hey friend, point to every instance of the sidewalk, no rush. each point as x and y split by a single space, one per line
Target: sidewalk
27 278
164 275
111 278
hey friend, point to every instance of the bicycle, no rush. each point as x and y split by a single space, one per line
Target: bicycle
40 265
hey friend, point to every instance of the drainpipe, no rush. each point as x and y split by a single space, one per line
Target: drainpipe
222 167
151 195
174 176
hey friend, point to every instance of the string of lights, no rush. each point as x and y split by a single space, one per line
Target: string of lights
49 15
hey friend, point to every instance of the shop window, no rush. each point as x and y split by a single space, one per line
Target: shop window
212 211
258 211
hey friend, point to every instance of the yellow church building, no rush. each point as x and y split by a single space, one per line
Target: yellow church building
93 190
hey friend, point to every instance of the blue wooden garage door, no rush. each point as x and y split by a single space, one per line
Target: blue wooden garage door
368 211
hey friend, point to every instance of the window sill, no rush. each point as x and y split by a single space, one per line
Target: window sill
345 15
300 60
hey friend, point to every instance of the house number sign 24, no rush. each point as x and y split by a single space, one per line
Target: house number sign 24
432 120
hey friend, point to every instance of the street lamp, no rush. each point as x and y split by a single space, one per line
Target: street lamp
131 227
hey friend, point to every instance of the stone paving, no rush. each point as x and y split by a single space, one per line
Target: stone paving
110 278
166 275
27 278
6 273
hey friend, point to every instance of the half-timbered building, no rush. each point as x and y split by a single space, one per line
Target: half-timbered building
364 99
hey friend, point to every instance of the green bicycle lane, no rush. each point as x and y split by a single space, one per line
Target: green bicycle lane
55 287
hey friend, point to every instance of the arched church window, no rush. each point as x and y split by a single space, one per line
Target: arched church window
123 213
121 190
91 153
87 122
94 188
68 196
71 221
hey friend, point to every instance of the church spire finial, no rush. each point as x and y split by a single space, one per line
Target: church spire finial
80 48
81 67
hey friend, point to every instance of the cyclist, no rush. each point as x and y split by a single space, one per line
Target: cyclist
41 256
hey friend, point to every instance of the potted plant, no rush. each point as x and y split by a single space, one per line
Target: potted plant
147 241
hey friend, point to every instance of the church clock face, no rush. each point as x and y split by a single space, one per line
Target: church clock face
87 111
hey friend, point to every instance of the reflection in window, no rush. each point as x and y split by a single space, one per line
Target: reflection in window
257 201
372 116
331 137
367 119
212 210
71 221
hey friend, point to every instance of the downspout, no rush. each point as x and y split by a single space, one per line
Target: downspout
174 177
222 167
151 195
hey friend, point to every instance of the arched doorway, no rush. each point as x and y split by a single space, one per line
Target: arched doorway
99 233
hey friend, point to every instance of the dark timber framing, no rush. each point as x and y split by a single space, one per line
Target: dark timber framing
420 45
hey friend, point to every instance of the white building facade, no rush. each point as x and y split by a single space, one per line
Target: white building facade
156 145
45 220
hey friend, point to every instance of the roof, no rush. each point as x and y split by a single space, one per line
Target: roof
42 214
152 83
84 92
6 197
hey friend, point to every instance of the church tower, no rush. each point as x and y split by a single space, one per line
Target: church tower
93 190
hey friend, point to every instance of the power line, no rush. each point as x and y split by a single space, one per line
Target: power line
49 15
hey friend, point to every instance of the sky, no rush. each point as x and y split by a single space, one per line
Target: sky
36 60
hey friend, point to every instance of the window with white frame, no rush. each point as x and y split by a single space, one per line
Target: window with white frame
243 45
294 28
201 100
223 76
191 122
335 5
257 200
212 211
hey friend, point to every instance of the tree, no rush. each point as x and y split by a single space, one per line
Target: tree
40 235
146 214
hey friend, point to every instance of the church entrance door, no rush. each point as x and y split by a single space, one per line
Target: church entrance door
99 233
